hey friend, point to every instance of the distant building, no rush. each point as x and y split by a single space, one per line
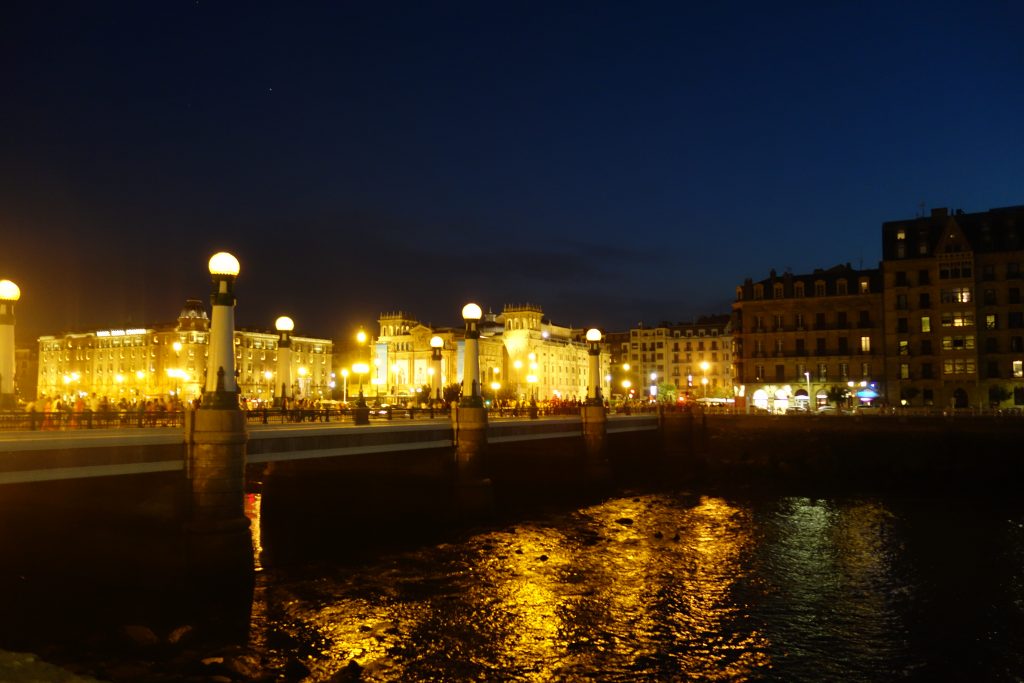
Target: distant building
953 308
170 359
521 351
674 357
797 336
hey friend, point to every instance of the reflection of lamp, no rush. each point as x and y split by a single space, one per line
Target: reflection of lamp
344 384
471 313
303 382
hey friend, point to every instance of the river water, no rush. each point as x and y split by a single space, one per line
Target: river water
676 587
652 587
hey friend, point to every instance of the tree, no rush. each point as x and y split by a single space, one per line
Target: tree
451 393
836 395
423 394
666 392
997 393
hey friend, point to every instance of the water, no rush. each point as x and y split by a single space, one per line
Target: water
652 586
677 587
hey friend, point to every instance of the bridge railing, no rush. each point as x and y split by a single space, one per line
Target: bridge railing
103 419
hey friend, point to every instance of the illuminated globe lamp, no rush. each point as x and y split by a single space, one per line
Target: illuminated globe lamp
594 351
284 326
221 390
436 344
9 293
471 398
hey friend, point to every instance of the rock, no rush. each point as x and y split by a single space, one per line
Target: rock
142 636
177 635
657 534
624 521
245 665
543 558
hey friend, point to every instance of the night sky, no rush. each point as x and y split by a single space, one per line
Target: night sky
612 162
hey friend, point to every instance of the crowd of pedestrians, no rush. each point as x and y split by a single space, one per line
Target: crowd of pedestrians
82 410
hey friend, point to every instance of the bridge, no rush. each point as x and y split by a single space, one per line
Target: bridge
38 456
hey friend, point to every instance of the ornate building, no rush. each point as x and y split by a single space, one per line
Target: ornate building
953 308
796 336
522 354
170 360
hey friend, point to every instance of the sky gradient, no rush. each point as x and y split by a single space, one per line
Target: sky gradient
612 162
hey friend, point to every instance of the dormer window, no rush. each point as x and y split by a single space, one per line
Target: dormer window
777 290
841 287
819 288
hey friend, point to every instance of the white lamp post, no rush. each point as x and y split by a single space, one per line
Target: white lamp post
284 326
471 313
221 390
436 344
9 293
594 385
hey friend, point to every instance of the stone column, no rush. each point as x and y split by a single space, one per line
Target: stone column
9 293
220 545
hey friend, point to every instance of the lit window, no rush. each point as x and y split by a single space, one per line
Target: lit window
865 344
926 323
1018 368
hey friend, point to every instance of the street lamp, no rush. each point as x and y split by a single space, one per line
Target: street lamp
9 293
360 369
654 385
594 388
221 389
436 343
471 314
807 376
518 365
284 326
344 385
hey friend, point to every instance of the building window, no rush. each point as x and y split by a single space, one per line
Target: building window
798 290
926 371
924 300
1015 320
841 287
819 288
865 344
992 322
989 297
758 292
1013 295
904 347
926 323
778 346
864 319
822 372
758 372
799 319
819 345
865 286
901 278
844 345
799 347
819 321
904 370
865 370
926 347
1018 369
780 373
777 290
901 302
844 370
778 321
901 325
956 295
988 273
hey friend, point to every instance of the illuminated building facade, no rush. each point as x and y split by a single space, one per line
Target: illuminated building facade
797 336
953 308
169 360
675 359
522 355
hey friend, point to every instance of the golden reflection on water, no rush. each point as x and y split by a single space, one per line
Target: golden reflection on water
639 588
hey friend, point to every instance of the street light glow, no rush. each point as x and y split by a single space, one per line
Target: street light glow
9 291
284 324
223 263
593 335
471 312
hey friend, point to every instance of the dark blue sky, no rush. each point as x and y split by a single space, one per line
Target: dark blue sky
613 162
